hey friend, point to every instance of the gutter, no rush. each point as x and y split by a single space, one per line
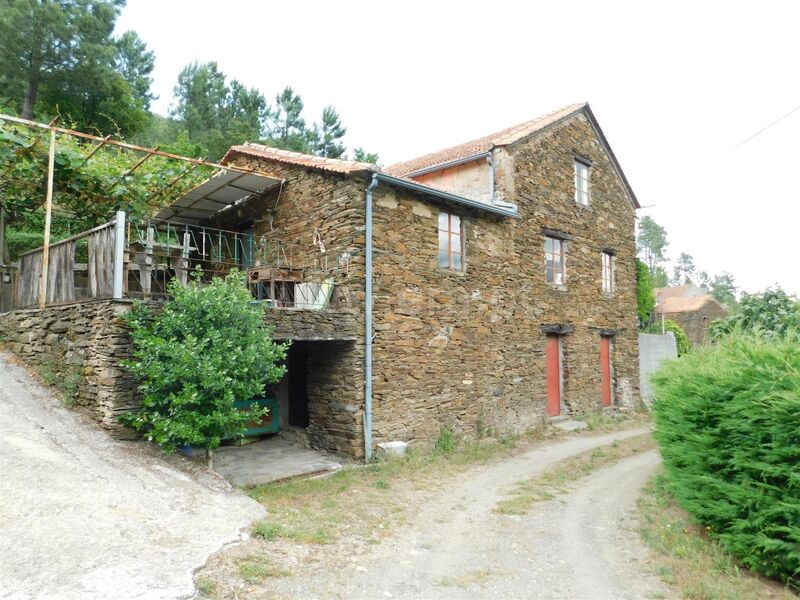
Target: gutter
505 211
368 323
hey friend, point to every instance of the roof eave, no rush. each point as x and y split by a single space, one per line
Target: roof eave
443 195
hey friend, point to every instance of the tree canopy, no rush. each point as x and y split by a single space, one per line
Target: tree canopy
59 57
651 242
771 313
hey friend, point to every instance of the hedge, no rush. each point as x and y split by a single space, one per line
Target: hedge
728 426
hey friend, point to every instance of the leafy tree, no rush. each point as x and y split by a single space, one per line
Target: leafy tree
216 114
360 155
771 313
135 63
645 298
286 127
651 242
59 57
326 137
722 287
207 348
659 277
685 271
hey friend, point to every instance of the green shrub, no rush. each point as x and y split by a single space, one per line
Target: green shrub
728 425
446 442
681 339
208 347
773 312
645 297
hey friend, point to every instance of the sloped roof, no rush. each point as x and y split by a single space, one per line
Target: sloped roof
484 144
335 165
679 291
684 304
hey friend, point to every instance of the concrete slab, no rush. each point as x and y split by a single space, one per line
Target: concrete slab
570 425
86 517
271 459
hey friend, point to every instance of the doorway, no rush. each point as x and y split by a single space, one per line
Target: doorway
553 377
298 384
605 369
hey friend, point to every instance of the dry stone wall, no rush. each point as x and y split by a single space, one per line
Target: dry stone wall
466 350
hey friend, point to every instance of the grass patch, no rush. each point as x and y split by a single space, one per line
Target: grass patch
553 481
479 577
360 500
255 569
66 380
689 559
206 587
608 420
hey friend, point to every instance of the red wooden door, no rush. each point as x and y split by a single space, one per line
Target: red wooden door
553 363
605 369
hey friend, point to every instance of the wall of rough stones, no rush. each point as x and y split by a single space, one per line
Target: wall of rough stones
87 338
466 350
90 339
695 323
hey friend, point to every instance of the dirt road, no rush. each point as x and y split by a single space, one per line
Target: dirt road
84 516
580 545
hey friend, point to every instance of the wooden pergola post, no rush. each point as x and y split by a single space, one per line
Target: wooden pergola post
47 218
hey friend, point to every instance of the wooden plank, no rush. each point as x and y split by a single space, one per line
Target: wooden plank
48 215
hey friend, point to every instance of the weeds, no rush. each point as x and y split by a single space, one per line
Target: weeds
553 481
206 586
255 569
446 442
66 380
689 558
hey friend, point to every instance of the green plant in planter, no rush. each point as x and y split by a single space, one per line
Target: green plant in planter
206 348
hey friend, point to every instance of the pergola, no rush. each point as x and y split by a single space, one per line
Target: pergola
227 186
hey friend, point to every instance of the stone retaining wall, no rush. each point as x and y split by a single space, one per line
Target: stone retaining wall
91 339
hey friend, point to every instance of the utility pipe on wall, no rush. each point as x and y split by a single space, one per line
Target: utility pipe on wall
368 323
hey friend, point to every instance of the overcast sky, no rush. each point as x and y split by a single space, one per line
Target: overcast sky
676 89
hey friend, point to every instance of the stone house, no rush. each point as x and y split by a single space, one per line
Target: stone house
486 287
691 307
502 282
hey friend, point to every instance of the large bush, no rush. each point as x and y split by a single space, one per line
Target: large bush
728 425
772 312
208 347
681 339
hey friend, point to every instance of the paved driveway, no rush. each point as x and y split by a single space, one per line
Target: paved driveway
84 516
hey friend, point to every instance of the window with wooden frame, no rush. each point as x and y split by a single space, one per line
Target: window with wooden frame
554 260
582 185
608 272
451 242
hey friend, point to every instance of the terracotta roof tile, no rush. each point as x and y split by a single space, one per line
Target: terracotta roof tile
481 145
684 304
296 158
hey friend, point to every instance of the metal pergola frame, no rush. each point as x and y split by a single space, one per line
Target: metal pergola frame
102 142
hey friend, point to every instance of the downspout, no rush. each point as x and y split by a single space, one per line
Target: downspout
490 160
368 324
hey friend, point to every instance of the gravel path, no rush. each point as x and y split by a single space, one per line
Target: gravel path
580 545
84 516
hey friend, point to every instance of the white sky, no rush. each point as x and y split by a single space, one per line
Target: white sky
676 87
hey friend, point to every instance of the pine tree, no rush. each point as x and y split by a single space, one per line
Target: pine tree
286 127
651 243
360 155
60 57
327 136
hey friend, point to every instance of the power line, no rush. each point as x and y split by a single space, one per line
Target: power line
775 122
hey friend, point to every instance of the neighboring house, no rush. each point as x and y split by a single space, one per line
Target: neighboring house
482 288
690 307
504 282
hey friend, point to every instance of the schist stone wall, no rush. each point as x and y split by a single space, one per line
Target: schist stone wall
87 338
466 350
91 339
695 323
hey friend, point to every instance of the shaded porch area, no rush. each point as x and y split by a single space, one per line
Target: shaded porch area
274 458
